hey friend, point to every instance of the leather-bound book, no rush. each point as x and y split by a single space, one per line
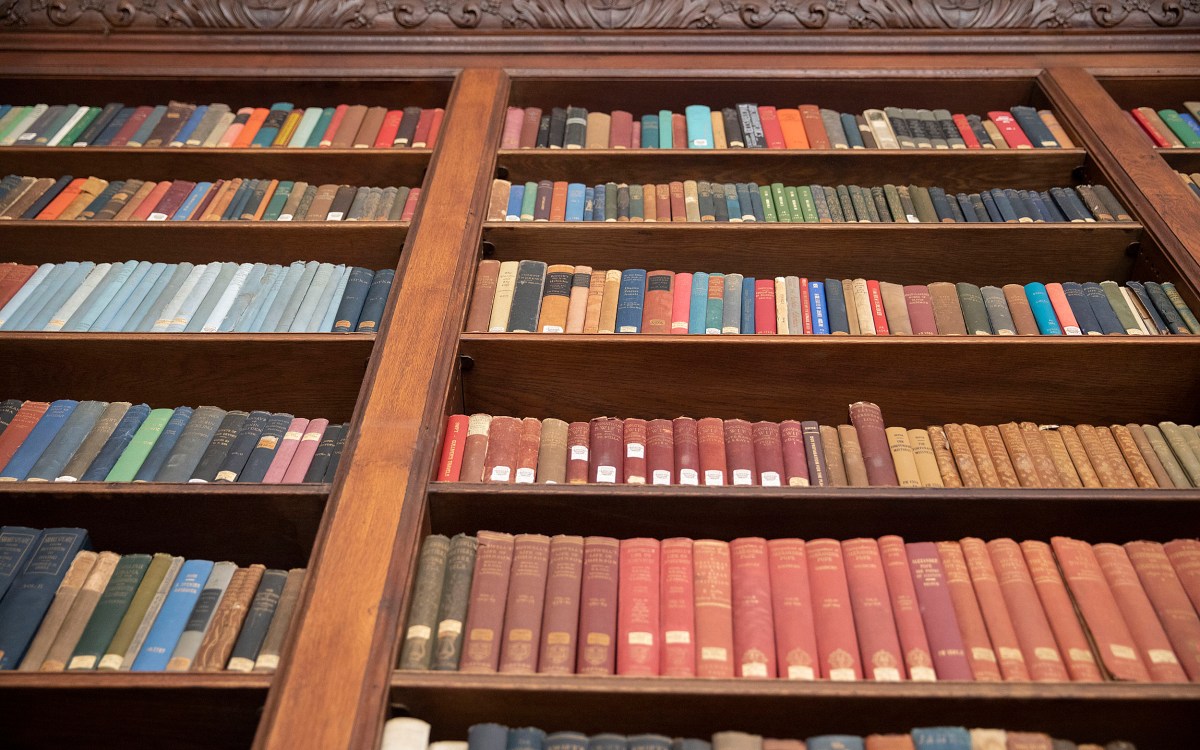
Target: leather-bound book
595 301
1042 654
39 629
656 313
1099 457
660 452
753 631
947 311
998 452
792 608
710 435
503 440
598 607
1022 461
577 452
902 457
832 452
1170 602
980 654
560 618
226 623
837 642
929 468
714 608
937 611
450 465
638 645
556 298
634 451
552 452
874 621
867 419
739 452
814 453
768 454
1022 312
1139 614
1067 475
1060 612
475 448
522 634
852 457
677 607
453 602
607 448
528 449
903 597
686 439
1003 635
795 457
1039 453
484 625
1120 468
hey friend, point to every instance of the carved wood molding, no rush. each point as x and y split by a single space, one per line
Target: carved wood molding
436 16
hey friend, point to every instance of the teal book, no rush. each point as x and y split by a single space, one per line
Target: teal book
325 322
353 298
319 129
649 131
116 444
163 446
40 296
251 287
172 617
279 199
106 617
287 312
714 309
55 301
167 301
33 589
1043 310
191 303
79 424
305 127
189 448
38 440
153 300
1185 312
699 126
139 447
698 308
271 316
16 545
142 133
258 620
222 278
124 298
377 297
90 310
253 298
941 738
308 304
664 128
264 450
24 293
270 128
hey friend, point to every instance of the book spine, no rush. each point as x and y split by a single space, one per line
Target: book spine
792 607
168 626
257 621
452 608
526 599
1139 614
980 654
1060 612
1170 601
227 620
753 619
837 641
903 596
678 618
489 593
415 653
1003 635
598 607
638 646
714 605
1042 654
937 612
560 620
281 623
875 622
32 591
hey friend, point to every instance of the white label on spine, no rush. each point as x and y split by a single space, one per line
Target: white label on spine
689 476
799 672
983 654
660 476
579 453
641 639
552 329
635 450
606 474
500 473
525 475
843 675
1162 656
450 627
714 477
1046 653
294 435
284 217
677 636
922 674
743 477
713 653
754 669
312 436
334 216
156 217
420 631
770 479
887 674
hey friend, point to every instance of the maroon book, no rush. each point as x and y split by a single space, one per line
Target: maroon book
475 448
606 446
660 452
711 436
739 452
878 641
837 641
598 607
560 617
937 611
792 609
867 419
920 310
577 453
489 594
678 613
903 595
528 447
687 451
504 440
768 454
795 460
634 432
638 608
171 200
753 620
523 613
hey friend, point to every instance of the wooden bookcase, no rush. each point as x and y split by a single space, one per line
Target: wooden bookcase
359 537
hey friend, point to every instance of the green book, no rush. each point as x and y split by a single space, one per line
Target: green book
780 199
768 205
11 120
139 447
1180 128
1117 300
275 207
1166 457
114 651
111 607
1177 438
808 205
529 201
1185 312
895 207
795 205
80 126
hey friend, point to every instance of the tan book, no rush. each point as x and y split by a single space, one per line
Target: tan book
598 126
649 205
556 298
352 120
1149 455
88 191
1137 465
608 306
293 202
964 457
896 309
989 739
319 208
781 307
1140 316
371 122
1067 475
506 282
1098 455
220 202
57 613
1120 469
595 302
81 611
994 133
1001 460
1166 456
1055 128
982 455
947 312
219 129
578 303
227 621
851 312
862 307
902 457
1083 465
281 623
266 200
479 315
833 456
691 201
1022 313
28 198
944 457
928 470
552 453
1178 439
1039 452
718 128
852 456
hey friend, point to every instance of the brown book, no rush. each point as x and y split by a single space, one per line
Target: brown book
1138 612
60 608
348 129
834 464
738 438
1027 741
552 452
656 313
1099 457
489 592
1079 458
480 313
1116 459
1148 454
621 130
1138 468
814 126
1000 628
81 612
598 126
226 623
173 119
903 460
577 307
634 435
980 655
371 122
523 612
944 456
710 438
1060 612
528 449
221 200
27 198
1036 637
608 304
1067 475
1001 461
577 452
982 455
964 456
852 457
946 309
556 298
88 191
560 618
1039 453
1170 601
1022 313
678 210
867 419
319 208
475 448
498 200
1018 453
606 446
929 470
595 302
504 438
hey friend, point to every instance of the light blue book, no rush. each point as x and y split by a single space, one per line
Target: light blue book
163 446
576 192
698 309
37 440
589 203
192 201
66 441
1043 310
298 323
714 309
87 313
325 324
91 288
125 298
55 302
156 296
731 304
167 314
45 290
26 290
664 128
268 316
140 135
305 127
262 303
748 304
224 275
211 322
820 313
251 287
313 323
941 738
288 311
196 295
699 126
176 609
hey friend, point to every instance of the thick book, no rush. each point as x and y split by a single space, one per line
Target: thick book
452 605
713 603
560 616
753 619
32 590
980 653
489 591
16 545
638 605
837 639
1170 601
937 611
416 651
677 624
98 578
868 423
598 607
521 633
1139 614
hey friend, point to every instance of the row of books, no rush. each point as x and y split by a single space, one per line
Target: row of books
532 297
701 201
98 441
880 610
805 127
239 199
716 452
1192 181
180 124
69 608
143 296
1169 128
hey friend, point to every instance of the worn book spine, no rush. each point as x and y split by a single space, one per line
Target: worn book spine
1011 659
606 446
638 603
1060 612
173 616
837 641
552 452
792 610
677 624
55 615
110 608
903 598
980 652
714 608
503 441
753 629
1170 602
281 623
489 592
32 591
475 448
577 452
660 452
528 447
868 423
768 454
560 619
452 606
257 621
201 616
739 452
144 605
226 622
874 620
1040 454
598 607
831 449
852 458
937 611
417 649
526 598
714 468
1139 614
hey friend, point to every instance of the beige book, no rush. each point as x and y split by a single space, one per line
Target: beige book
1039 452
498 201
281 623
595 302
1139 315
319 208
942 454
649 204
928 470
982 455
902 457
1138 435
506 282
852 318
691 201
1099 456
577 306
895 308
1083 465
862 307
718 128
81 611
1067 475
852 456
1166 456
989 739
608 305
552 452
88 191
220 202
598 126
1001 461
64 598
1138 467
552 318
781 307
293 201
226 623
1116 458
219 129
964 456
1055 128
833 456
1177 438
994 133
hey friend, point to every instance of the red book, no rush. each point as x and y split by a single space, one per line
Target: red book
1139 614
635 140
878 640
678 623
980 654
768 454
61 201
435 126
335 122
19 428
528 447
681 303
577 453
208 198
1170 601
920 310
678 209
1001 631
805 307
877 313
710 433
489 593
452 448
513 119
504 438
634 435
387 131
903 597
867 419
679 137
607 446
739 452
130 127
662 203
753 628
687 450
1008 127
714 608
658 309
13 281
1149 129
620 129
150 203
1034 633
837 641
475 448
1098 609
795 459
560 617
529 128
425 127
764 306
660 452
526 597
1184 555
410 205
171 200
1052 592
937 612
792 608
598 607
964 130
637 608
814 126
772 132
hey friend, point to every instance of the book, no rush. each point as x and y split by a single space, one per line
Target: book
32 590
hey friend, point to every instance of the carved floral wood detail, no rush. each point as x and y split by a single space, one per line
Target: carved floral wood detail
438 15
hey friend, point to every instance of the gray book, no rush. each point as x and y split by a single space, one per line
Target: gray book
207 122
998 312
417 651
201 617
70 436
214 455
125 296
272 279
93 442
287 312
358 207
397 208
330 315
386 200
246 294
298 323
452 609
224 275
54 280
795 314
305 203
166 292
371 205
55 301
280 293
731 309
281 622
191 303
91 308
149 290
833 128
185 455
139 636
258 621
321 308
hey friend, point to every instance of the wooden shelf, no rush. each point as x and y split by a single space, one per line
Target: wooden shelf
1186 160
1151 715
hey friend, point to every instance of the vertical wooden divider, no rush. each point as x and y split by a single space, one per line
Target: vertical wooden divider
332 686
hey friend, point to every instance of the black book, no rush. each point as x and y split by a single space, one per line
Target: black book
377 297
752 136
8 410
881 207
214 454
733 128
338 449
981 135
408 126
558 127
342 200
719 204
97 126
895 118
324 454
266 447
242 446
543 133
1110 201
45 198
527 293
704 199
849 210
575 131
756 204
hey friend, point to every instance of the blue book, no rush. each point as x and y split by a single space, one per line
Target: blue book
598 203
142 134
1052 210
649 131
1190 122
516 194
287 313
116 444
164 288
33 589
270 128
44 199
90 310
176 609
114 126
163 445
648 742
989 204
1106 318
589 203
4 109
192 201
487 737
525 738
216 292
55 301
698 308
26 291
377 297
38 439
321 281
188 127
291 279
125 300
1140 290
748 304
576 193
261 305
1081 308
264 450
820 315
732 202
251 287
16 545
850 127
1000 199
664 128
568 740
321 319
968 210
40 296
352 301
240 199
714 307
834 742
66 441
756 205
630 299
1043 311
835 306
941 738
607 741
699 126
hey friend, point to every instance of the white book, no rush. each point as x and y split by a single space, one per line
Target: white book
64 313
66 128
405 733
167 315
213 324
191 302
222 125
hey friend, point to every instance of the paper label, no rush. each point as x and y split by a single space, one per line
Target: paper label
607 474
284 217
1122 652
635 450
1046 654
450 627
558 638
526 475
641 639
754 669
713 653
887 674
500 474
552 329
1079 654
660 476
156 217
484 635
843 675
1162 656
520 635
797 482
770 479
419 631
598 639
313 437
677 636
714 477
268 441
984 654
799 672
689 476
712 331
579 453
334 216
922 674
743 477
1012 654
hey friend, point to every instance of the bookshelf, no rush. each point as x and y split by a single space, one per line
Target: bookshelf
359 536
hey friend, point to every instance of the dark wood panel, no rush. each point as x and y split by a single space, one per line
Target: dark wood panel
1159 90
1186 160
